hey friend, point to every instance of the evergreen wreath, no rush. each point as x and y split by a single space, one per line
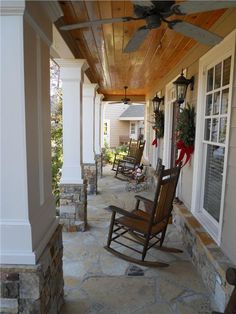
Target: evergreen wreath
186 125
158 124
185 133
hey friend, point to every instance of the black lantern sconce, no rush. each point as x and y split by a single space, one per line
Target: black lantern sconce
181 87
156 102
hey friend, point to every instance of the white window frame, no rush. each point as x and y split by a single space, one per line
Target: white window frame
220 52
134 125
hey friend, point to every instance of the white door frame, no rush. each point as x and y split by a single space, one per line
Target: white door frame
170 90
226 47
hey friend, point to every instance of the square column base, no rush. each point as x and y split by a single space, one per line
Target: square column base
35 288
89 173
73 207
99 165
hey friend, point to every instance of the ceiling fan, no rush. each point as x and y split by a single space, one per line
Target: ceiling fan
124 100
156 11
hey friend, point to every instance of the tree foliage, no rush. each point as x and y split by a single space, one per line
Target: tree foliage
56 130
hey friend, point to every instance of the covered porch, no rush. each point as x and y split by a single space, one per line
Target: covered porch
94 68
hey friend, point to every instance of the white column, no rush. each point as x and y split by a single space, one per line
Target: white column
102 125
97 123
89 92
72 72
27 207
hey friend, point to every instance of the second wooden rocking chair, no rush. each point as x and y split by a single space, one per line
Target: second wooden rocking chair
145 227
126 166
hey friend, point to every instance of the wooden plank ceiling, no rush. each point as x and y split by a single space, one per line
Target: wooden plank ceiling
102 46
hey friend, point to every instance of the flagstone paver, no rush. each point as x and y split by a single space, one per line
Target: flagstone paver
98 282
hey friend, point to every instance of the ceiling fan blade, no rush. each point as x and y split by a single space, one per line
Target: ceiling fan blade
137 39
96 22
115 102
190 7
147 3
201 35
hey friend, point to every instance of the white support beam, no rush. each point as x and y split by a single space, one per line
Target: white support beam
97 123
27 207
89 93
72 72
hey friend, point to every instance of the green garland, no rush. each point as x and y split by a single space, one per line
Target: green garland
186 125
158 124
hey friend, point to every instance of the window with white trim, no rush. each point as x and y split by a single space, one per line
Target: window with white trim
212 135
132 128
214 141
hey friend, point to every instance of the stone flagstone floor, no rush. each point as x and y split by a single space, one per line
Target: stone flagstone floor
98 282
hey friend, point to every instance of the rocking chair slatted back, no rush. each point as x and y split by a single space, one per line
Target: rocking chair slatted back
167 182
133 148
139 152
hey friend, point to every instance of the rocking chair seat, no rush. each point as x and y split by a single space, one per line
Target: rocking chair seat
140 225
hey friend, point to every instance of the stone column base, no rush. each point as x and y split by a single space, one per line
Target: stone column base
89 173
73 207
35 288
98 159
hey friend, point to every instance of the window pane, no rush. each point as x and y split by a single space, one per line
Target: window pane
208 104
223 127
207 129
210 79
214 130
213 180
225 101
217 75
216 103
226 71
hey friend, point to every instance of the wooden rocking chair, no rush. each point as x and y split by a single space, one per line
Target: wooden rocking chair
145 227
133 144
126 166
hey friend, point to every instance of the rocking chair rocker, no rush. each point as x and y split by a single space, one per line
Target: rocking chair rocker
145 227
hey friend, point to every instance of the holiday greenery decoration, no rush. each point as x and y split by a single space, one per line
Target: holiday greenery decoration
185 133
158 126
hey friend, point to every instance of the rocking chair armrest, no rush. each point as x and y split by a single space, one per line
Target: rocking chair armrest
124 212
148 204
143 199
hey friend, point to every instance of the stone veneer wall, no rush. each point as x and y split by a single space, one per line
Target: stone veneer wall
73 207
89 173
35 288
206 255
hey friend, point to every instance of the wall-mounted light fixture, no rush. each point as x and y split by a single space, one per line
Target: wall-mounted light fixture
181 87
156 102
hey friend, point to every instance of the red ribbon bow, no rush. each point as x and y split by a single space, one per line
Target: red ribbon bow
184 150
154 142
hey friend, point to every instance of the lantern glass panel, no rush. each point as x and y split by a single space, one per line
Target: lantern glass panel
181 92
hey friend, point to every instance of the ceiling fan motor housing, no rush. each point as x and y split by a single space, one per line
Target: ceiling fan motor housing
153 21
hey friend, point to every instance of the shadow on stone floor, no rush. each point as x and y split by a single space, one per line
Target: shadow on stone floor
98 282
